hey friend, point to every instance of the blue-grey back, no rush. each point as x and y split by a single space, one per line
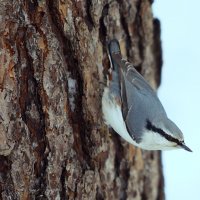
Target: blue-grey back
143 103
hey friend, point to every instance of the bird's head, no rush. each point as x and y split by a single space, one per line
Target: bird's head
164 134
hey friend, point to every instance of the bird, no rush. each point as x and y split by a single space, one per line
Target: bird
131 107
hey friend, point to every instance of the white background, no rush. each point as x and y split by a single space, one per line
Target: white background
180 93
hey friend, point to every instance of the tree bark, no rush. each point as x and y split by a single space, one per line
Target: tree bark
53 141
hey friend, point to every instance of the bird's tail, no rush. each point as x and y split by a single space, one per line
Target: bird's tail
114 53
114 49
115 59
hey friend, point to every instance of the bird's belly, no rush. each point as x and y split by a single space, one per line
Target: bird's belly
113 116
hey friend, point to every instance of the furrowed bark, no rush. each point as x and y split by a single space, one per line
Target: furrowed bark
53 141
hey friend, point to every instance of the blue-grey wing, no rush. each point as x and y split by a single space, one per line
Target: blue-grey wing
136 78
140 101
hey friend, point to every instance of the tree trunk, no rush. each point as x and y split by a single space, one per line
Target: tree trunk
53 141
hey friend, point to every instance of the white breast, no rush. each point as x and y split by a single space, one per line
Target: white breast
113 117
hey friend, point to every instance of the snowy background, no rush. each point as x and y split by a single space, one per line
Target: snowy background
180 92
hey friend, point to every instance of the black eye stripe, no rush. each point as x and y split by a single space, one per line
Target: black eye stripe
151 127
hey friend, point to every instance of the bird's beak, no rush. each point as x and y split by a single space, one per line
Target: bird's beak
185 147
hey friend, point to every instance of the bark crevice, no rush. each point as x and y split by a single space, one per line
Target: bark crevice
30 101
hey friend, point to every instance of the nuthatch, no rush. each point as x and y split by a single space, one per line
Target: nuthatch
131 107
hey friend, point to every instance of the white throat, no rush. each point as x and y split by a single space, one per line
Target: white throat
154 141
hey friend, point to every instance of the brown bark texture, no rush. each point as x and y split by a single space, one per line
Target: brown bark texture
53 60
